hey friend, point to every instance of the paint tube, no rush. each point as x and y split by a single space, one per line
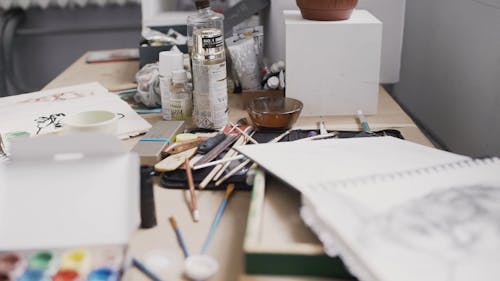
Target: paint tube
245 62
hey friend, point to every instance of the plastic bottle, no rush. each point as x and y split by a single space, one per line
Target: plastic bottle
169 61
205 31
181 103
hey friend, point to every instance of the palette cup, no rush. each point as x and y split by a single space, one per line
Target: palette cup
98 121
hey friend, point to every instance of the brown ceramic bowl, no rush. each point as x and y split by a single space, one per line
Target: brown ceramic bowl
274 112
326 10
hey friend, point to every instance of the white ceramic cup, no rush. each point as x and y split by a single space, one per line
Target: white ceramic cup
98 121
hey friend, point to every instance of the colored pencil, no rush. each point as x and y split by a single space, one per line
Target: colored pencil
218 216
178 233
194 204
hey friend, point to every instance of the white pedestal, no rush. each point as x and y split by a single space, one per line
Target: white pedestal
333 67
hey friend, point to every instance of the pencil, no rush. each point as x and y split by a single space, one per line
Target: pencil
364 124
194 205
218 216
145 270
178 233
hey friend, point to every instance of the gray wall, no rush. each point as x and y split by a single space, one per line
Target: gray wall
450 76
42 49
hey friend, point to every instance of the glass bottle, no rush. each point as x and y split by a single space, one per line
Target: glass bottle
181 104
205 30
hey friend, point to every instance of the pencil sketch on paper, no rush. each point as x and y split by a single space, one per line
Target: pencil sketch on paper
453 225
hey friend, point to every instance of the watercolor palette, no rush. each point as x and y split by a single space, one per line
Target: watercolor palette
102 263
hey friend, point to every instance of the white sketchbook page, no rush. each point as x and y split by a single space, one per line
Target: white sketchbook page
31 112
440 224
301 164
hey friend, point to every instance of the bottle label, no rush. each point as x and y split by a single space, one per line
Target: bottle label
181 108
212 42
210 96
165 98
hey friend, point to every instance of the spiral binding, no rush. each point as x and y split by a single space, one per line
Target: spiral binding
328 185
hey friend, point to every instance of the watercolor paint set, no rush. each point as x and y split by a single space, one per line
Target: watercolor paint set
100 263
85 193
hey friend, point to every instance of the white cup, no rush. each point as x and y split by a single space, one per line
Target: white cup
99 121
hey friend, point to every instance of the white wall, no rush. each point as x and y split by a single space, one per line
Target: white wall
450 76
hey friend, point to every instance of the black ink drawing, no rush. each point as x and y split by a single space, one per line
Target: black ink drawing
43 122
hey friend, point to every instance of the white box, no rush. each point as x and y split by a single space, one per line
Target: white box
333 67
67 191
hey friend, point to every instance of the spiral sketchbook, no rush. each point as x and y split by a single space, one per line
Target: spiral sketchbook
394 210
436 223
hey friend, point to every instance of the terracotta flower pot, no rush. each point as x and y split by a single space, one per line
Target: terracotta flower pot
326 9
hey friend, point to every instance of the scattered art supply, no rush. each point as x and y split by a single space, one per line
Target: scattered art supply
194 203
243 133
145 270
218 216
148 212
210 143
213 163
322 128
200 267
216 151
185 137
178 233
317 137
98 263
362 121
181 146
173 162
151 146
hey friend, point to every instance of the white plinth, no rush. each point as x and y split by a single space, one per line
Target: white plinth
333 67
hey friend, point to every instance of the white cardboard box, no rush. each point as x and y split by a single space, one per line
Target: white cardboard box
67 191
333 67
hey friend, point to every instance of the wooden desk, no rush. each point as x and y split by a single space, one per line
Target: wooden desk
227 244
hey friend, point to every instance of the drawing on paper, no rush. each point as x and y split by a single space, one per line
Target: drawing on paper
451 225
60 96
51 121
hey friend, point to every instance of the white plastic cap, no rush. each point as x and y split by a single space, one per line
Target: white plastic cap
179 76
273 82
170 61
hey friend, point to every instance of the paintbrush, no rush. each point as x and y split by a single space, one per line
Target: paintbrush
218 216
194 205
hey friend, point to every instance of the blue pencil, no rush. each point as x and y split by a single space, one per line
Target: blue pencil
178 233
218 216
145 270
